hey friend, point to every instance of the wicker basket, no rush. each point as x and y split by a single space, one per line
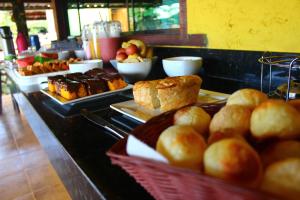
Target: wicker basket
166 182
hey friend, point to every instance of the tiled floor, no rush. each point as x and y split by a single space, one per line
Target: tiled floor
25 171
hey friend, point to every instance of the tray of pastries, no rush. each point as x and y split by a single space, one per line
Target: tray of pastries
77 87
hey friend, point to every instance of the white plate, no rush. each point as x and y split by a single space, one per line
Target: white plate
59 99
139 113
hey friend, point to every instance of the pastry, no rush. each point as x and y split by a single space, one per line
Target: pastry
114 80
182 146
169 93
94 86
231 120
193 116
145 94
280 150
233 160
52 80
283 179
72 89
247 97
275 118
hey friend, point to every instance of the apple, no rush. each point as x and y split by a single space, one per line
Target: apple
132 49
121 56
121 50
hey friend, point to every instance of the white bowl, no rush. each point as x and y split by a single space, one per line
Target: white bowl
133 72
85 65
64 55
80 53
182 66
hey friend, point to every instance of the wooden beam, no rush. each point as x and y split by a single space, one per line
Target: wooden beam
60 11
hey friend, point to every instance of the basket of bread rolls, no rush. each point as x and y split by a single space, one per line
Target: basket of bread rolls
249 149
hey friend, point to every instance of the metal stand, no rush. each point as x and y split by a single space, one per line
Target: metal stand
288 62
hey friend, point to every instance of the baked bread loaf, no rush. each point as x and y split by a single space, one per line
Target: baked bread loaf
193 116
182 146
247 97
145 94
280 150
231 119
233 160
275 118
169 93
283 178
176 92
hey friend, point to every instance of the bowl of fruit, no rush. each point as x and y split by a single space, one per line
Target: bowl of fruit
133 60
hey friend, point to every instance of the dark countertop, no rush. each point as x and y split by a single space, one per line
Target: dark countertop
77 148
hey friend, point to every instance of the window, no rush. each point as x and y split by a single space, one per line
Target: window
138 15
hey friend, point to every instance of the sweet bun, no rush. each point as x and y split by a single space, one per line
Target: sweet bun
247 97
231 119
233 160
182 146
193 116
275 118
220 136
281 150
283 178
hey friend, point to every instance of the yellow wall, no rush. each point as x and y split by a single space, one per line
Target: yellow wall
265 25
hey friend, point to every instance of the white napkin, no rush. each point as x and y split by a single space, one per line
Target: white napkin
135 147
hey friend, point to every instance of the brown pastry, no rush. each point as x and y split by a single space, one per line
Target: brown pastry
176 92
145 94
95 86
247 97
280 150
114 80
231 120
182 146
283 179
72 89
52 80
233 160
275 118
169 93
193 116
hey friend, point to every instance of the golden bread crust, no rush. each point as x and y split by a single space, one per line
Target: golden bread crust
176 92
283 178
231 120
275 118
193 116
247 97
182 146
233 160
143 92
280 150
167 94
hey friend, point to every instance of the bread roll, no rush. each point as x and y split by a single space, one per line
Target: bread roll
233 160
182 146
275 118
280 150
283 178
231 119
193 116
247 97
167 94
176 92
145 94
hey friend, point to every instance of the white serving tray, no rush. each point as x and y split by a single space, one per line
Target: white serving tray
62 101
141 114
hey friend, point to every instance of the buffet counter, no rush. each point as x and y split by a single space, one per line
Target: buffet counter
77 148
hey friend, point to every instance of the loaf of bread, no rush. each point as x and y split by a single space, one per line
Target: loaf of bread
169 93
